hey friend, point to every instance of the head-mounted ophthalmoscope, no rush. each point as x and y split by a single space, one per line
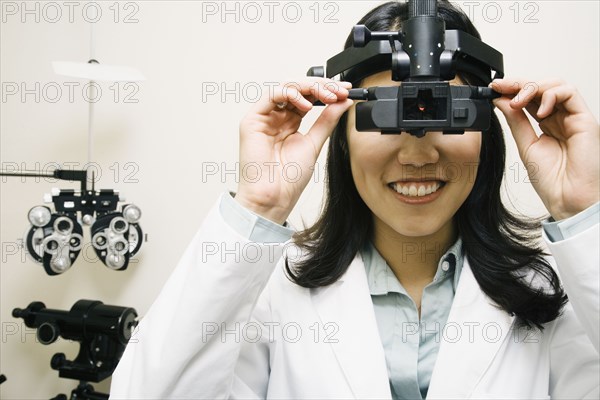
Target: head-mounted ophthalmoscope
423 56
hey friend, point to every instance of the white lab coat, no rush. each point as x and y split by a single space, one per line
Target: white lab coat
279 340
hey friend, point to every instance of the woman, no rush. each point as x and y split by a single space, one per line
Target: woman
415 281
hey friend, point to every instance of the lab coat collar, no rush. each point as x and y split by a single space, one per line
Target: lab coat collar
462 358
482 329
358 348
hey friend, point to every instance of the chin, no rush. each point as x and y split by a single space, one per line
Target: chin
416 227
415 231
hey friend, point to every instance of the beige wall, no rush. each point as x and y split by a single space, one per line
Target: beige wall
155 150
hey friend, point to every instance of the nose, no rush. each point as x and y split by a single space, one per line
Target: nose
417 151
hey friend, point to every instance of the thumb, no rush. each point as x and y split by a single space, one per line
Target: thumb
519 124
325 124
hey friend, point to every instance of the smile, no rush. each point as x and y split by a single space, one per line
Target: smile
416 189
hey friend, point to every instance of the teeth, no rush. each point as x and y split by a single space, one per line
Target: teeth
411 190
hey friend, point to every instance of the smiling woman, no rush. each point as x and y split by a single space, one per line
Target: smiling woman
413 187
370 178
415 282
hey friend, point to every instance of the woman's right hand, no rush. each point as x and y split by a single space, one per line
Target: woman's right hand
277 161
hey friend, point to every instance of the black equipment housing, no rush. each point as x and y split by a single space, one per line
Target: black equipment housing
102 330
423 56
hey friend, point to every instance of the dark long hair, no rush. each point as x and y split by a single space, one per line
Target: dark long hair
501 247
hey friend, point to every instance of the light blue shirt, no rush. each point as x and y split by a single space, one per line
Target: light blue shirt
410 345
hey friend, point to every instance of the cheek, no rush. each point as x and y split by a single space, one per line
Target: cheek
366 167
461 157
369 152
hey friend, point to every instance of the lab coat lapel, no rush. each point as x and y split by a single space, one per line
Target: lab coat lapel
358 348
474 333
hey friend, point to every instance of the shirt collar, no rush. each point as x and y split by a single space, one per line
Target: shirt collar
382 280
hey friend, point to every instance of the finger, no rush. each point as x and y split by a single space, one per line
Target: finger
327 91
566 96
339 88
528 93
519 124
505 86
269 102
301 95
511 87
523 92
545 95
325 124
532 108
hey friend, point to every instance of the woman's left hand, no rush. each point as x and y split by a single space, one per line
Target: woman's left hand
565 159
